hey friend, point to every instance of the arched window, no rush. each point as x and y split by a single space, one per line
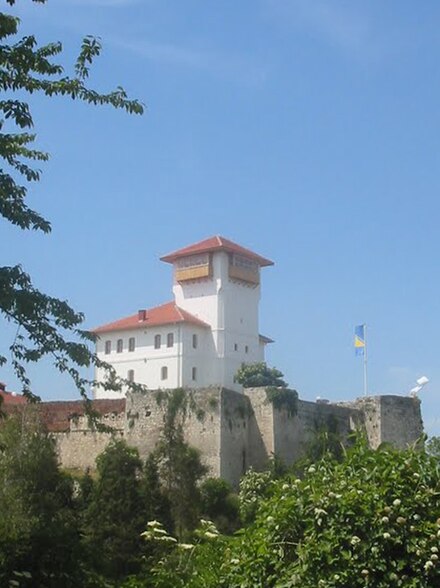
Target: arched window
130 375
163 372
119 346
131 344
195 342
194 373
108 347
170 339
157 341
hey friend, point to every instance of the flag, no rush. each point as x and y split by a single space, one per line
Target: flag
359 339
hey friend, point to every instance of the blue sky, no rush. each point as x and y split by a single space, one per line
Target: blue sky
306 130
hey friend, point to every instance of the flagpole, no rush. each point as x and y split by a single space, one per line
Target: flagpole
365 362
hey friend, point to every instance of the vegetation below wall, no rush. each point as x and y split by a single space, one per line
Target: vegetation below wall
366 518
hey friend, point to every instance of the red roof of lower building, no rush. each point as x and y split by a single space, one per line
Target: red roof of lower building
56 416
11 399
216 243
165 314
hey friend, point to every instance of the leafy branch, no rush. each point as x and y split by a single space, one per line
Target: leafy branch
43 320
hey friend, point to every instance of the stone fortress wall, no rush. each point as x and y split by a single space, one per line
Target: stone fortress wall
233 431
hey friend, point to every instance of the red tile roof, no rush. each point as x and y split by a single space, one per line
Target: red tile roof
11 399
56 416
165 314
216 243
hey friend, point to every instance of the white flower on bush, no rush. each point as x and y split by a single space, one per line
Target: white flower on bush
156 532
166 539
207 530
355 540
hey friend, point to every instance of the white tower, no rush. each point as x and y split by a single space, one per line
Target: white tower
218 281
200 338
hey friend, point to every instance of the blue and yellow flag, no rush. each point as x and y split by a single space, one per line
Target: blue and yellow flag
359 339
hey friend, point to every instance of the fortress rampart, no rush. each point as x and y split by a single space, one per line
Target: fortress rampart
232 430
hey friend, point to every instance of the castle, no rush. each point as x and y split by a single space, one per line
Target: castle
202 337
195 344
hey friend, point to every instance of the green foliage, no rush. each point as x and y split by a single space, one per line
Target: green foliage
117 512
254 486
39 532
220 504
42 320
433 446
283 398
255 375
326 441
180 470
372 521
196 564
156 501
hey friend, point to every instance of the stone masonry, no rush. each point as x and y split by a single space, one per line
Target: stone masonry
232 430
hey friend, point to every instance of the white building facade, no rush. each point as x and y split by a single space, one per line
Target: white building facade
202 337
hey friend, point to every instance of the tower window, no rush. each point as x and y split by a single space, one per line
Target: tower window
119 346
163 372
108 347
246 348
131 344
157 341
170 339
195 341
235 347
194 373
130 375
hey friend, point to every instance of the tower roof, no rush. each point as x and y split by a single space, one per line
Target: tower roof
165 314
216 243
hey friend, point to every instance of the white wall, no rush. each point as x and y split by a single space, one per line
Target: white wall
229 307
145 360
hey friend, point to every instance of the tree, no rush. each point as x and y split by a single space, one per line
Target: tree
220 504
372 521
42 321
179 465
117 513
39 533
254 375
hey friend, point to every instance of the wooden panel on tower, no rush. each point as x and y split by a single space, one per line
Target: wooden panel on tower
244 269
193 267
